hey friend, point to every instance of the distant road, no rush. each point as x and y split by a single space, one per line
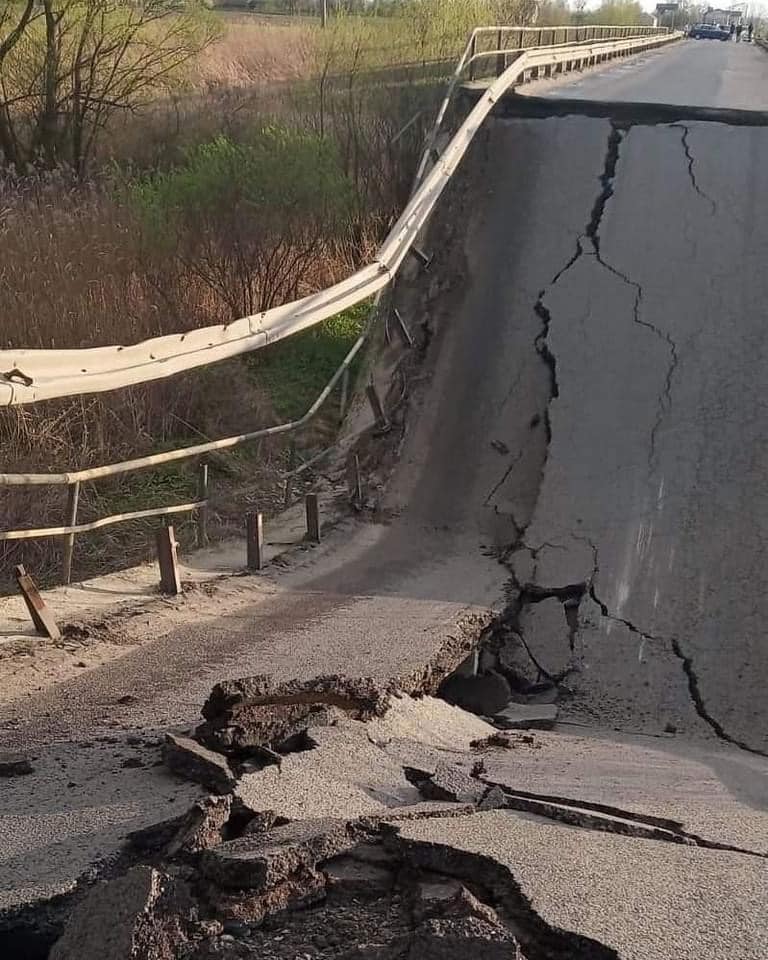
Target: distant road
698 73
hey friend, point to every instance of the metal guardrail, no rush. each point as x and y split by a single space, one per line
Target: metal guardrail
31 376
297 316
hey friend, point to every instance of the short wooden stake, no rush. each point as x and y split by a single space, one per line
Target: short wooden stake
313 518
405 333
41 615
382 423
202 512
170 582
254 534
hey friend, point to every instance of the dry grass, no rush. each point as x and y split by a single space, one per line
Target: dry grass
76 272
256 51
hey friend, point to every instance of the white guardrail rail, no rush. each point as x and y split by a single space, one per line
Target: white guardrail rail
31 376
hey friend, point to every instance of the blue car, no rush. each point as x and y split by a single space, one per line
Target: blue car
708 31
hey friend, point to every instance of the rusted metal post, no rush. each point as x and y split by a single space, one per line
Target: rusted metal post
254 534
73 496
382 423
38 611
167 558
313 518
202 512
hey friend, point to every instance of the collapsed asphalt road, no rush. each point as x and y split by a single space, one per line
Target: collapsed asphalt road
585 460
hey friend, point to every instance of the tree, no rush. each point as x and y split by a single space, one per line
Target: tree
68 66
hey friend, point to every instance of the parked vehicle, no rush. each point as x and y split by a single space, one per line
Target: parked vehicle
708 31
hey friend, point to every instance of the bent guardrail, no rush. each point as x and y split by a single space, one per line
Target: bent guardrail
31 376
164 356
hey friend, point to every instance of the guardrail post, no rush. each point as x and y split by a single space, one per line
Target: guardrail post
357 493
73 496
202 512
254 539
501 58
424 259
472 52
167 558
313 518
288 493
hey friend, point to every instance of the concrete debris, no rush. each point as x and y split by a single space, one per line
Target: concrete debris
263 712
484 694
506 741
495 799
463 938
15 765
355 878
522 716
448 782
141 915
260 861
199 829
191 760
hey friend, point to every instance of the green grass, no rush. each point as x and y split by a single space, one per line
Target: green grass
294 371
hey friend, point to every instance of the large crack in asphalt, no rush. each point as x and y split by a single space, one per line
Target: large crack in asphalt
692 679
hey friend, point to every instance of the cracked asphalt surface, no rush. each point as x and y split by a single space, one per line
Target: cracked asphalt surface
594 417
699 73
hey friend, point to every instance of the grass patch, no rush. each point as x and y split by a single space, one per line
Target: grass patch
294 371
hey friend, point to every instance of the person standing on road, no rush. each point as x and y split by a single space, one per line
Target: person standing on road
732 29
750 28
739 28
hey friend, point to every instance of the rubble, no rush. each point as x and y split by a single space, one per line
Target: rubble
448 782
527 716
191 760
142 915
505 740
199 829
264 860
263 712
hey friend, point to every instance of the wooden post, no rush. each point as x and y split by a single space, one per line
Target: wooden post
170 582
41 615
254 537
313 518
382 423
73 496
501 57
202 512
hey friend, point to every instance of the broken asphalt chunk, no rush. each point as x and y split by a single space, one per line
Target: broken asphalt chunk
263 712
264 860
142 915
448 782
459 939
197 763
527 716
